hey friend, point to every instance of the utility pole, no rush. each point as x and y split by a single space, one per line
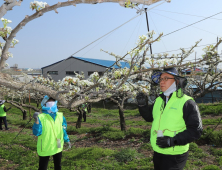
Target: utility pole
148 28
153 88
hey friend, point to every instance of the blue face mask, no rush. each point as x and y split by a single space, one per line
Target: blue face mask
49 107
52 109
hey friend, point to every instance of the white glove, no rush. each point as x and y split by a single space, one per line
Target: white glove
69 146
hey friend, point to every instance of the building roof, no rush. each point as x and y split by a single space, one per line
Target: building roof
104 63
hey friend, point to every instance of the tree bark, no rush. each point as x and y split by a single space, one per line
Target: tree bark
79 120
89 107
8 6
104 105
24 113
37 103
122 119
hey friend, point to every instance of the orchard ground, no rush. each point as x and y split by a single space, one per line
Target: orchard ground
100 144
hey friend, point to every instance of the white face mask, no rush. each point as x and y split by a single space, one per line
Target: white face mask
171 89
50 104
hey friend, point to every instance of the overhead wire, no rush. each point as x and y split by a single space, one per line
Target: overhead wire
132 33
138 30
157 31
191 24
186 14
184 23
186 27
98 43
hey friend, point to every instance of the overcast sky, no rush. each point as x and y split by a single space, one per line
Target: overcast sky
54 37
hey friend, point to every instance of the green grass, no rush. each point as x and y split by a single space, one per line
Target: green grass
211 121
210 109
23 152
104 124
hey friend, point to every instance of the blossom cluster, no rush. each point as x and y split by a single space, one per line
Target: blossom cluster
37 5
5 22
14 42
5 30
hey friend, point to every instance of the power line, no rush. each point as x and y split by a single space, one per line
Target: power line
191 24
157 31
138 30
185 14
184 23
133 32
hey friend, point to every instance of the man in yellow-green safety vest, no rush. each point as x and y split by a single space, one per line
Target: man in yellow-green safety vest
3 111
175 120
50 127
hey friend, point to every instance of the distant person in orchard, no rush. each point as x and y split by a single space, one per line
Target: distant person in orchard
175 120
3 111
50 127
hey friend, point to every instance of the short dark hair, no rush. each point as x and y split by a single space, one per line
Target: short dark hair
50 98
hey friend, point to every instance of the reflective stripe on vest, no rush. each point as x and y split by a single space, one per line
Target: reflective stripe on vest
47 142
170 121
2 112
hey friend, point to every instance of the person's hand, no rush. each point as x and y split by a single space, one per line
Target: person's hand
165 142
8 109
35 116
141 99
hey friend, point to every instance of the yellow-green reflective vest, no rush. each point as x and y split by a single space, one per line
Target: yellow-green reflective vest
84 107
170 121
2 112
51 131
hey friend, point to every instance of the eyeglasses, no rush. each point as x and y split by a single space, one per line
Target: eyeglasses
165 79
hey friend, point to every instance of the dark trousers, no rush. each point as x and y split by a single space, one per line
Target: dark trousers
84 115
43 161
169 162
5 122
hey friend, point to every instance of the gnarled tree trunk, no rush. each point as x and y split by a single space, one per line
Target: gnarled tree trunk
79 120
89 107
122 119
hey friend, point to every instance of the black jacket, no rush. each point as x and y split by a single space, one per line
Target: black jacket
191 116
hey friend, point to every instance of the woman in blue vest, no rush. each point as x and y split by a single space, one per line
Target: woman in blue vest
175 120
50 127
